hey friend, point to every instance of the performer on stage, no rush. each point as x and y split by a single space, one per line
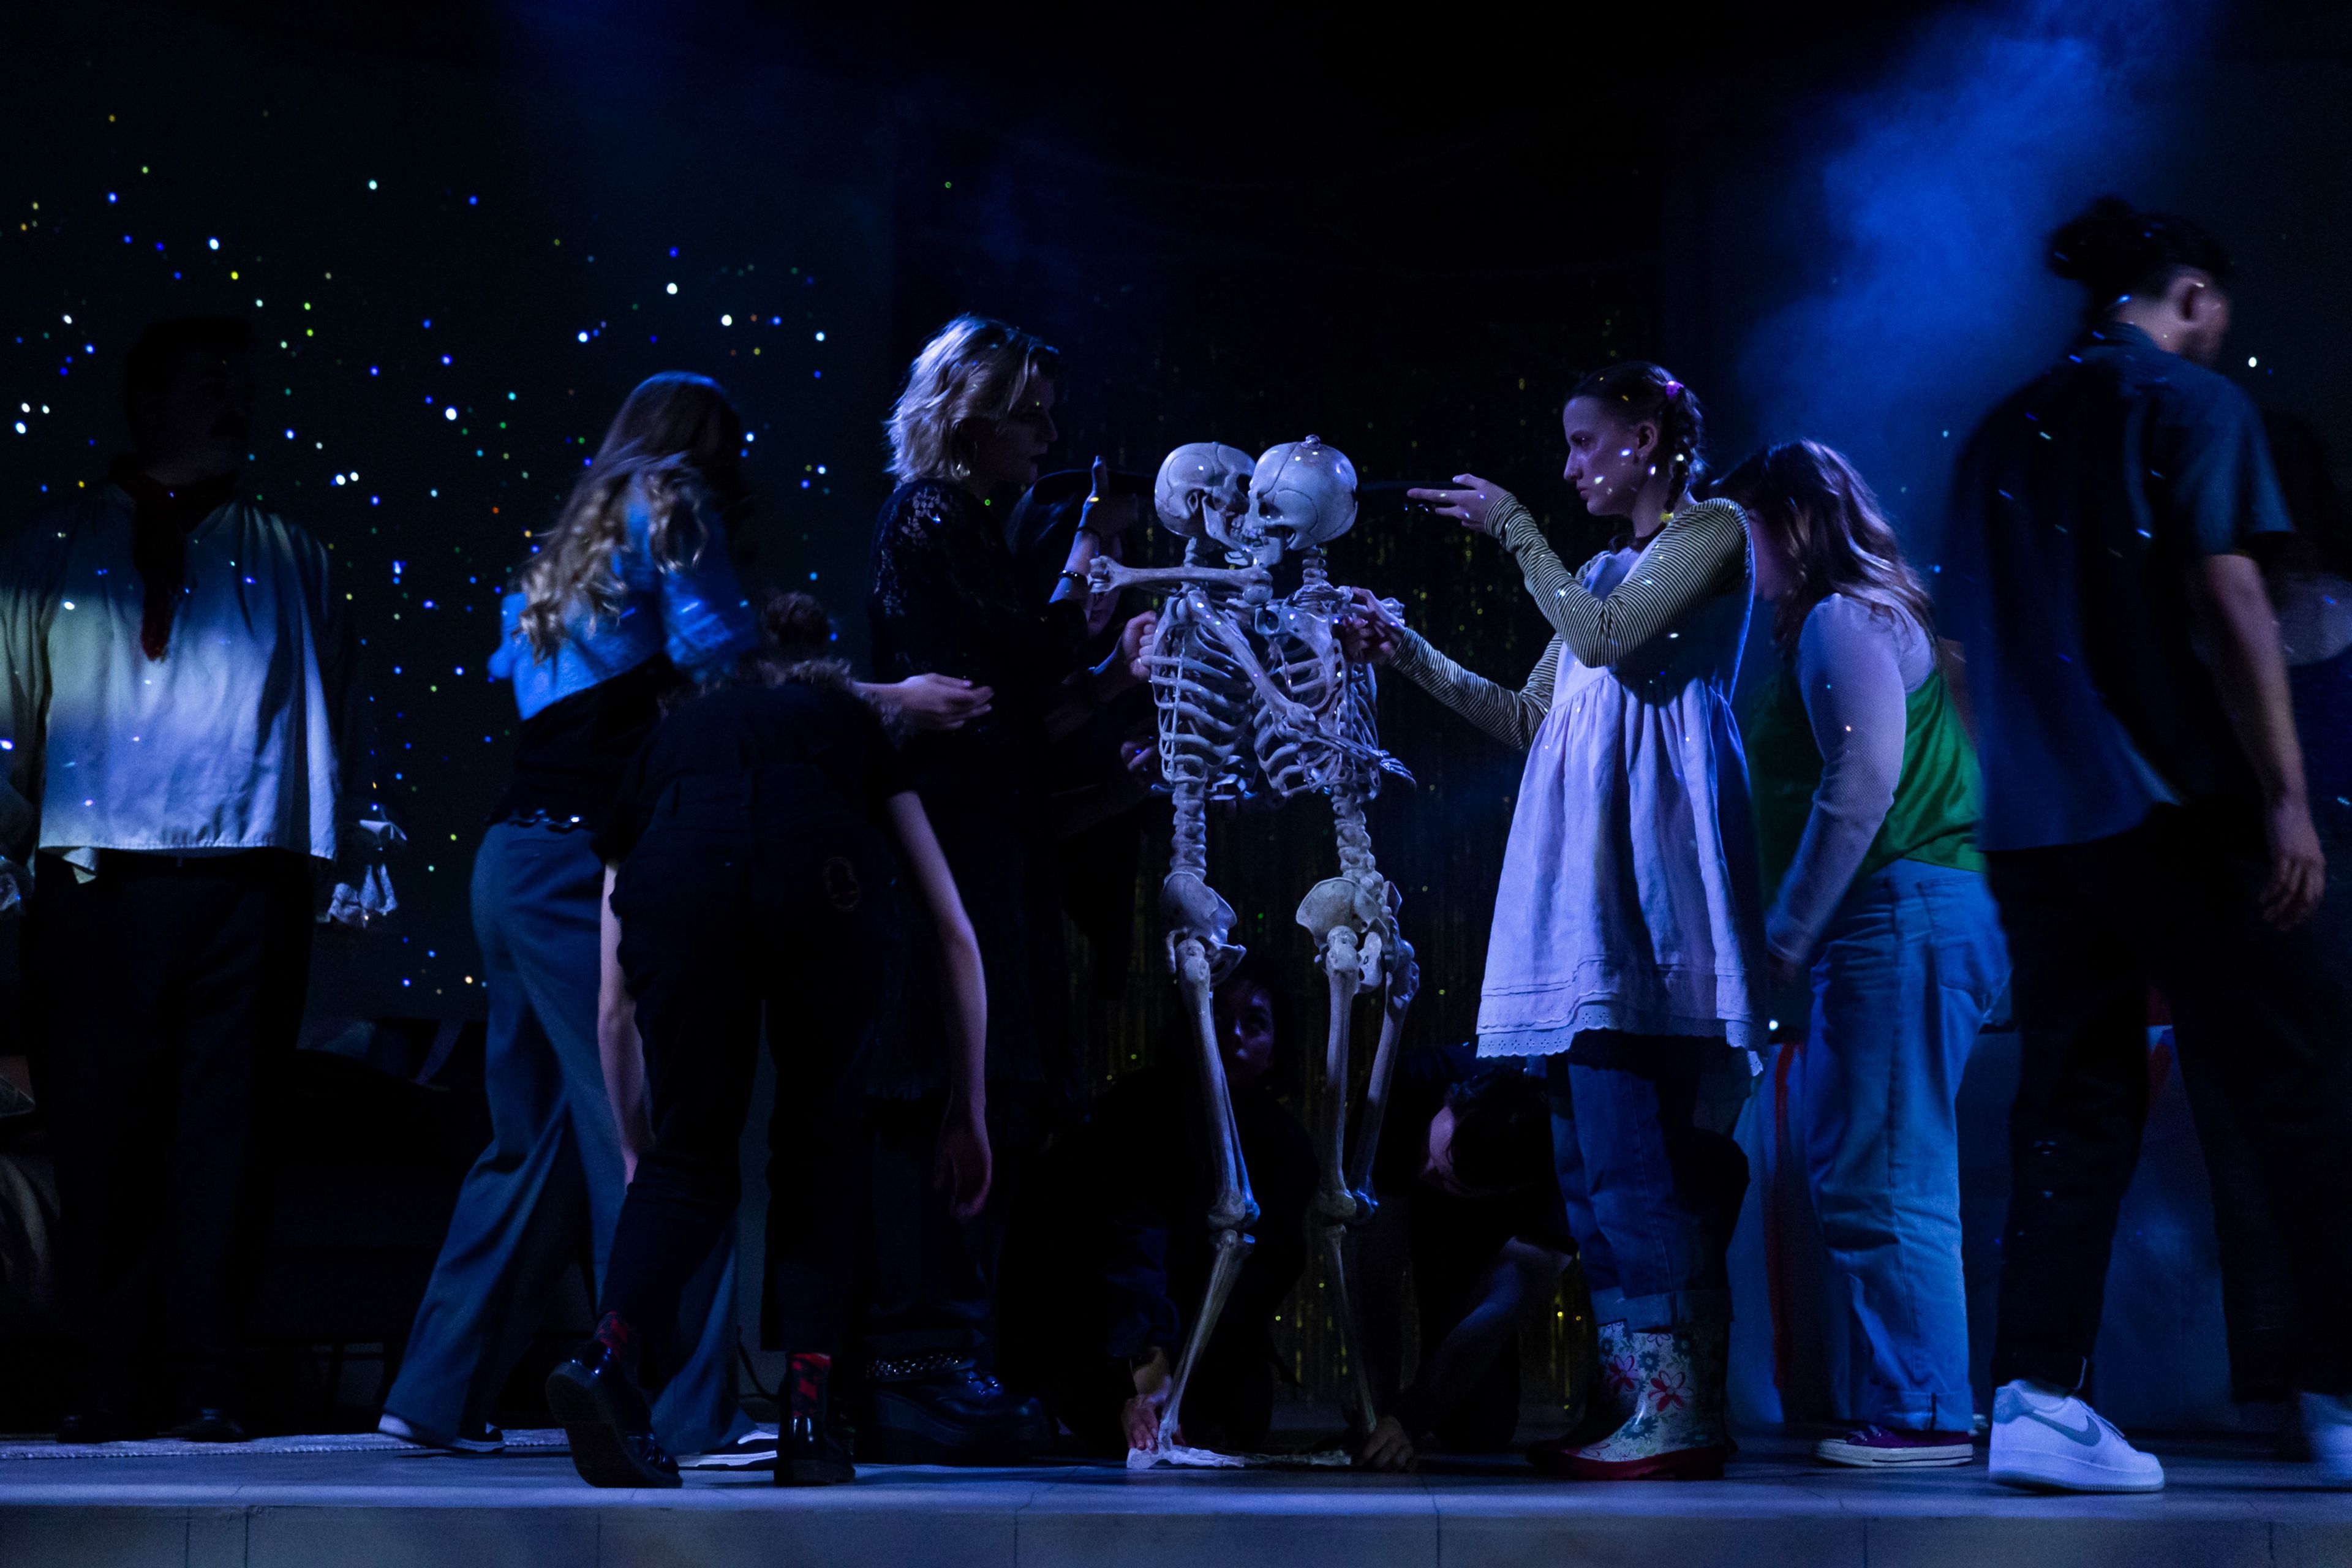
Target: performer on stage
1865 789
1627 934
754 838
186 746
1470 1208
2148 820
631 593
947 596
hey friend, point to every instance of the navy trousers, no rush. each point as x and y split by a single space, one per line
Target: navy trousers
554 1157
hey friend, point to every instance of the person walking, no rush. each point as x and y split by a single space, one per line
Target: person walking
2146 821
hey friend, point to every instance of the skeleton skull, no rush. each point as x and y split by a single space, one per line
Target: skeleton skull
1203 487
1303 495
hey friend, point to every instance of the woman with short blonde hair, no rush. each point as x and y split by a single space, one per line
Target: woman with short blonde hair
947 595
974 375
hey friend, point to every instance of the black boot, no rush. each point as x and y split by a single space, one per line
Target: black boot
939 1409
809 1453
595 1397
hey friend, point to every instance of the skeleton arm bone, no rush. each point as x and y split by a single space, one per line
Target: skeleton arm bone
1109 576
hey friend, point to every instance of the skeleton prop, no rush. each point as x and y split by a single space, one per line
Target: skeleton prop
1255 697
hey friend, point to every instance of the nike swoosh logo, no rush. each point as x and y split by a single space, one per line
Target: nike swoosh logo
2088 1437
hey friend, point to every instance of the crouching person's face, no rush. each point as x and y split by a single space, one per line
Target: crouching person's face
1245 1032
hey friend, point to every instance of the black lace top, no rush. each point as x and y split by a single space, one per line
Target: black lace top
948 596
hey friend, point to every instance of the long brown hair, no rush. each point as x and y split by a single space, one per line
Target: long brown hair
674 447
1810 503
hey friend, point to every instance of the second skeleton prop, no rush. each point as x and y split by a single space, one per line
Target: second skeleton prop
1255 697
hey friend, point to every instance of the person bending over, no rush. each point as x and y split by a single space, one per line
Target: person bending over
757 840
1469 1202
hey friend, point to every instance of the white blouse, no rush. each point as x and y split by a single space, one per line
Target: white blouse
250 733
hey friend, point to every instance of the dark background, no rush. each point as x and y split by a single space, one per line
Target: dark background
1408 235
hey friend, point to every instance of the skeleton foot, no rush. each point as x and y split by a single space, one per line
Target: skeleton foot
1233 1249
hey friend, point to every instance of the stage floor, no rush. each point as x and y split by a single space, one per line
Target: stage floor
2227 1506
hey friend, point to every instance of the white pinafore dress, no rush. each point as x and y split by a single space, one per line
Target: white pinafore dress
1629 897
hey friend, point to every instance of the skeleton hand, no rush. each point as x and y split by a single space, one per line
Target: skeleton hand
1367 630
1471 506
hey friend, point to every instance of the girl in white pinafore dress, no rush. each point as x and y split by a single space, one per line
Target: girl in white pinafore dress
1627 941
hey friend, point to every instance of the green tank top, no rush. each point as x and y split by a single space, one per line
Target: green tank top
1934 817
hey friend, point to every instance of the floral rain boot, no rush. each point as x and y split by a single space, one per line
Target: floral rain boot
1676 1431
1608 1406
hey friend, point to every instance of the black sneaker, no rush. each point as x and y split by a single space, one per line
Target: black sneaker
939 1409
605 1420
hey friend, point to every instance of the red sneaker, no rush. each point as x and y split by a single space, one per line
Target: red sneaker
1876 1447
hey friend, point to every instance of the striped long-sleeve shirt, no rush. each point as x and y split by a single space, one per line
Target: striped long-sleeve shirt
1701 552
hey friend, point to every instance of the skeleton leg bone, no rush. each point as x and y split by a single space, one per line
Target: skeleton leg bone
1233 1209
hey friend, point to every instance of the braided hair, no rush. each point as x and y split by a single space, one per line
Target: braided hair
1641 391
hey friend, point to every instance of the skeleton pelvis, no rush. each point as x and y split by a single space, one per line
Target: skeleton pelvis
1193 909
1337 901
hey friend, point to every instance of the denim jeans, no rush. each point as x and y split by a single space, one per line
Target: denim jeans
1652 1195
553 1164
1912 960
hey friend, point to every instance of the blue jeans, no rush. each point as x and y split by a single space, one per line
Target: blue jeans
1911 964
1652 1196
554 1157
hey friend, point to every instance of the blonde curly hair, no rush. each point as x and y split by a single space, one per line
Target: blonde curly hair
973 371
675 449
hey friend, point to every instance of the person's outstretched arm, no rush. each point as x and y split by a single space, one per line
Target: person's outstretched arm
1512 716
1692 559
964 1159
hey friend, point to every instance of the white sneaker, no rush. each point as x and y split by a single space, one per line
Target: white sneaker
2055 1442
754 1450
2327 1427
